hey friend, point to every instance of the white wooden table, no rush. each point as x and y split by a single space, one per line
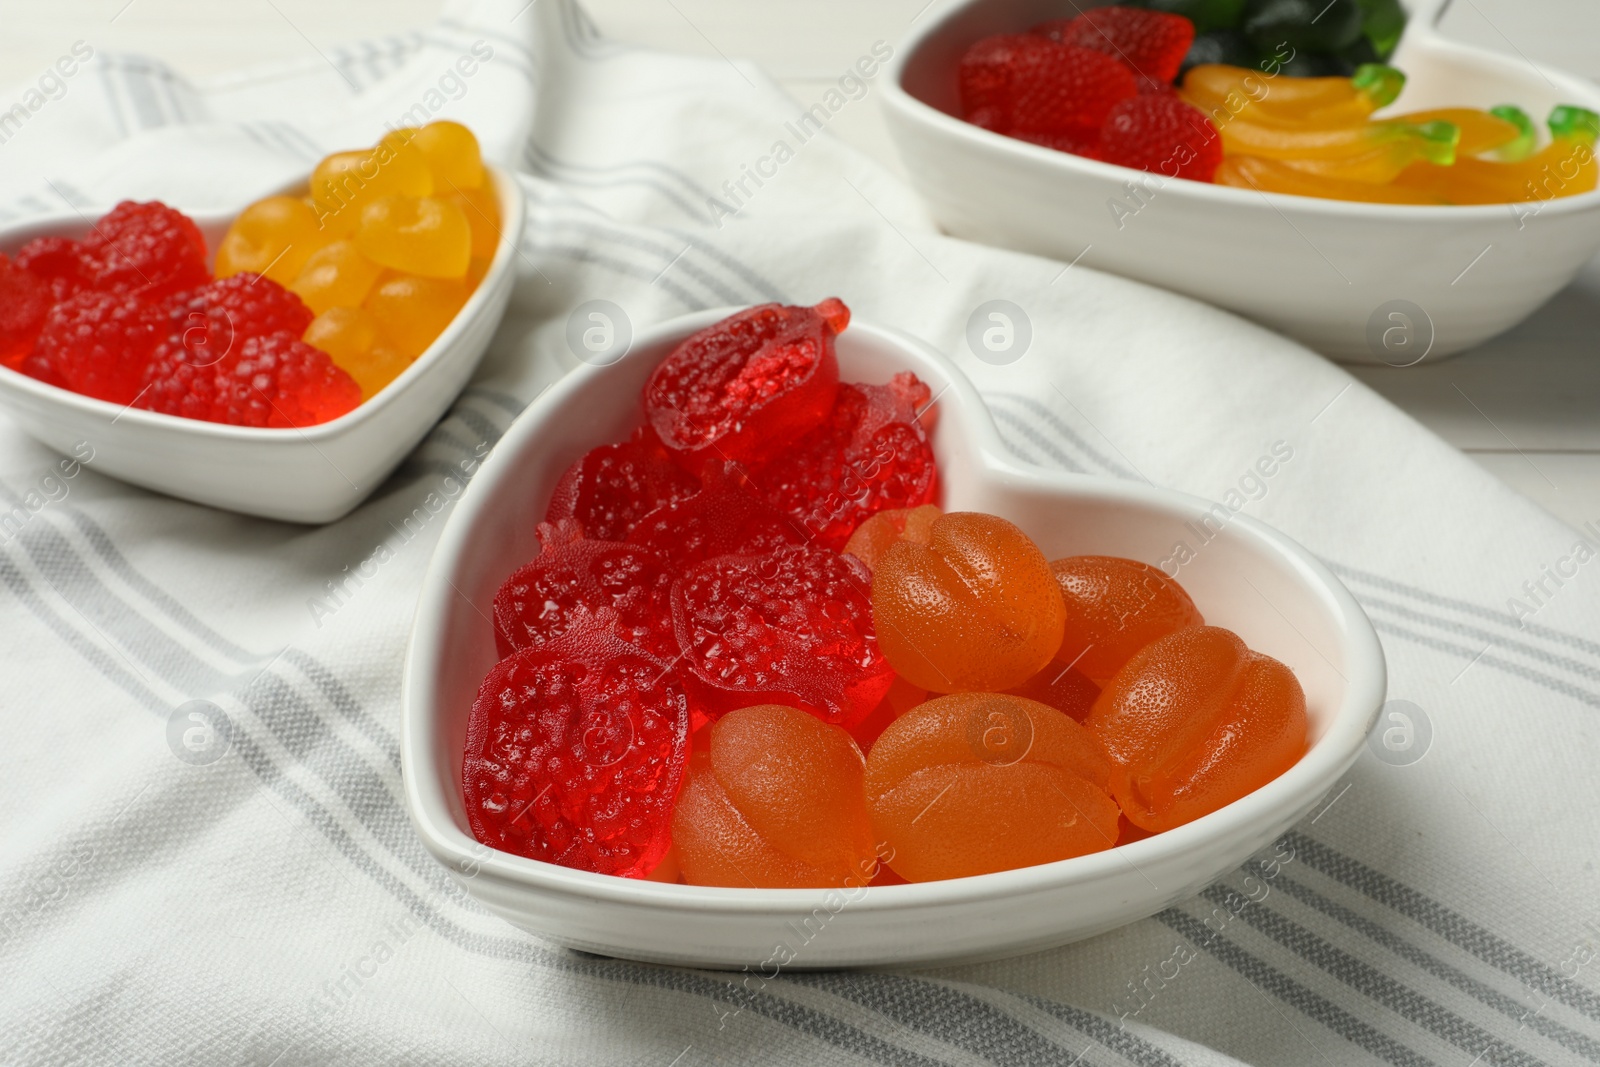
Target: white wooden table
1526 405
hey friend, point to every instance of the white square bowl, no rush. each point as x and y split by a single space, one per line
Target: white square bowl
1247 577
1326 272
311 475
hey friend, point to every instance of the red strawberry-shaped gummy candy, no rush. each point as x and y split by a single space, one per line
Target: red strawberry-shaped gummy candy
575 751
724 516
871 454
275 381
148 248
1150 43
745 388
57 261
24 301
98 344
612 487
1025 83
574 574
1159 132
793 626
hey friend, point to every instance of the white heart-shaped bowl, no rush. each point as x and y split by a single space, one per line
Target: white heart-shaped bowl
1245 576
1328 273
312 475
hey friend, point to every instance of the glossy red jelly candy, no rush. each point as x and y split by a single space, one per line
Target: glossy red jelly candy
275 381
577 575
722 518
610 488
901 698
209 320
147 248
744 389
1115 607
1151 43
1195 721
792 626
869 455
24 301
575 752
1027 84
57 261
100 344
1160 133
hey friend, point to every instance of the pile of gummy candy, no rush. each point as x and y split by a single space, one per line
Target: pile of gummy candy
318 301
752 652
1272 95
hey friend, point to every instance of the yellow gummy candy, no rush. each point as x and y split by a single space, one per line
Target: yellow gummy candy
452 154
346 182
418 235
482 209
353 341
412 311
1278 176
272 237
337 275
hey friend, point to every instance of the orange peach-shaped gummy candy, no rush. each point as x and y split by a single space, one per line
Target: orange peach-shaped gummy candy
416 234
1195 721
979 782
975 609
1114 608
337 275
775 802
352 340
412 310
272 237
874 536
452 154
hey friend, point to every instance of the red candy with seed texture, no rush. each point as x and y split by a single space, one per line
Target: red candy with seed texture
745 388
614 486
793 626
1151 43
575 752
573 574
276 381
206 323
1027 84
98 344
723 517
148 248
1158 132
58 261
869 456
24 302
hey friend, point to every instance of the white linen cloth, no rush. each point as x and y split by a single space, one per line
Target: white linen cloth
274 907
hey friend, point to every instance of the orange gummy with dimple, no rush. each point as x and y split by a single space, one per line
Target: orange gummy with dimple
978 782
874 536
975 609
272 237
776 801
337 275
353 341
1195 721
1114 607
344 183
423 235
452 154
412 310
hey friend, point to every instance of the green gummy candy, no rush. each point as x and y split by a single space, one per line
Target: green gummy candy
1378 83
1382 21
1527 134
1570 122
1439 140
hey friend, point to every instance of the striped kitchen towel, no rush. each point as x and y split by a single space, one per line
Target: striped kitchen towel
264 901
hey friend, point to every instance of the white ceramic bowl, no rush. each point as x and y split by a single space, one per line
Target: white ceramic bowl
312 475
1249 578
1328 273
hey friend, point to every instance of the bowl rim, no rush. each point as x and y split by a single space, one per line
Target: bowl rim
1323 762
1420 35
513 208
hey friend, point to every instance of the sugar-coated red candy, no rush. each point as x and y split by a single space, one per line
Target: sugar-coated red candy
792 626
870 455
98 344
146 248
575 753
1160 133
1151 43
724 517
1024 83
745 388
276 381
574 574
610 488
